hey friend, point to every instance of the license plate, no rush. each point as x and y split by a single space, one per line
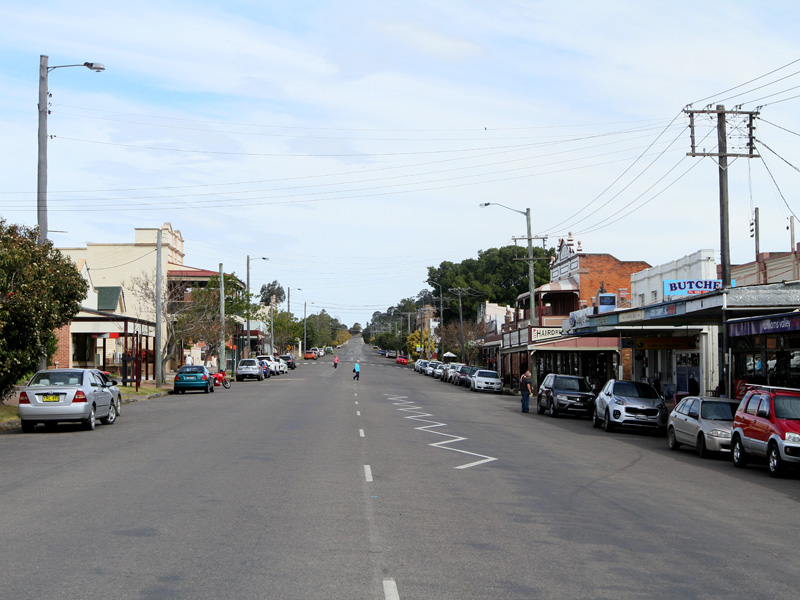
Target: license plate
641 417
51 398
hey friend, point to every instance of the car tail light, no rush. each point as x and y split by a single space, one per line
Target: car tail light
23 398
79 396
176 378
205 377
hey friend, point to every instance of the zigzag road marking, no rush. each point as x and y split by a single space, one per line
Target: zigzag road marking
408 407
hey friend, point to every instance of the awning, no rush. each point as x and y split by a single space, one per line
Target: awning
573 343
563 285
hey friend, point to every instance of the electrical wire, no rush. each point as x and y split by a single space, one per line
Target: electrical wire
736 87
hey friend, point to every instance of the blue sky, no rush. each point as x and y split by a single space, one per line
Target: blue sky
351 142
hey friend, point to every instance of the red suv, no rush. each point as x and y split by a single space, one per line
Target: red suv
767 424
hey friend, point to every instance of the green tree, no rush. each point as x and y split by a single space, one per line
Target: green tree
40 291
268 289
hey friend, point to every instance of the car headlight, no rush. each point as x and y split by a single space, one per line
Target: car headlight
661 406
793 437
719 433
560 397
620 401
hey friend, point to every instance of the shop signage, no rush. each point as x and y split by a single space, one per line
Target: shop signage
544 333
515 338
633 315
668 310
688 287
605 320
666 343
580 318
770 325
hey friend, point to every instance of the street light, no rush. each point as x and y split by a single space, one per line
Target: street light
248 303
531 284
41 187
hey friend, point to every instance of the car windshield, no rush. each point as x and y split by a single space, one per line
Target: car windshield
717 411
572 384
634 389
57 378
192 369
247 362
488 374
787 407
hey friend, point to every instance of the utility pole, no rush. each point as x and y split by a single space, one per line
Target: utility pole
223 361
247 351
304 327
722 156
754 233
460 292
157 350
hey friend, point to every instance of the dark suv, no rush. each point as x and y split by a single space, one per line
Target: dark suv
289 360
565 394
767 425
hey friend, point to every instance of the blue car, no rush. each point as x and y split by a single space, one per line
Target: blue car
193 377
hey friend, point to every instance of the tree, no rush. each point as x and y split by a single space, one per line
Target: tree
268 289
412 343
497 275
40 291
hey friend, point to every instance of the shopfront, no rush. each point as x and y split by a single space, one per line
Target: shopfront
765 350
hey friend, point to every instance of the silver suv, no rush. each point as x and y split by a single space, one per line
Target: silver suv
629 403
249 367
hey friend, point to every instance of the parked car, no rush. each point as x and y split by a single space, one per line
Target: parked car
565 394
486 381
452 369
460 376
315 350
381 352
391 354
439 371
470 375
432 367
401 360
309 355
629 403
246 369
289 360
76 395
420 365
767 424
193 377
274 366
706 424
112 385
265 368
281 364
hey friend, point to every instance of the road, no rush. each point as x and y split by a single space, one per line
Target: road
312 486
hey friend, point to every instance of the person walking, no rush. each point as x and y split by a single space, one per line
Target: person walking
357 371
335 361
525 389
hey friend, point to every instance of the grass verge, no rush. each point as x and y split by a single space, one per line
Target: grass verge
8 413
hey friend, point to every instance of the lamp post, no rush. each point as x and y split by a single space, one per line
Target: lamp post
531 283
41 182
304 328
441 307
247 354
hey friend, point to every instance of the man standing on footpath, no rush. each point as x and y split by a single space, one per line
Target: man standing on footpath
526 390
357 371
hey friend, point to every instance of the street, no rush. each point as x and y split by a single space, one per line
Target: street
313 486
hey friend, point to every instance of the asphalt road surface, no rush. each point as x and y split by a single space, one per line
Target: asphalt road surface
312 486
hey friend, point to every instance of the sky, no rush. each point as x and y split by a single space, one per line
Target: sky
352 142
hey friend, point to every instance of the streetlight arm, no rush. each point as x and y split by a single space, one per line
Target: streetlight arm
485 204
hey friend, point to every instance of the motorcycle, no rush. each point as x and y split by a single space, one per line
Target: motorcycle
221 379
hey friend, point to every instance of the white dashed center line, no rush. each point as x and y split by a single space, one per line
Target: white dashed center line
361 433
368 473
390 589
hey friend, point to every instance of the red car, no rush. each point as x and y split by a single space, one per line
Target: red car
309 355
401 360
767 425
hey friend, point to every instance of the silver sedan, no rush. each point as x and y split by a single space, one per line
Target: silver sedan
703 423
66 395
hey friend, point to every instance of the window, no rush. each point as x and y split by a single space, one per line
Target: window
694 405
752 404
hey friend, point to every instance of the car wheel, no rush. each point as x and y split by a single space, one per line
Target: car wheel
700 446
596 422
738 454
111 417
673 443
539 407
207 390
27 426
553 409
608 425
212 386
90 423
774 460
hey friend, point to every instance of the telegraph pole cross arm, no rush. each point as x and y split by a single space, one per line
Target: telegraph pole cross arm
740 120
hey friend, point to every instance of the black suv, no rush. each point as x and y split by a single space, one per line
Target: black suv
289 360
565 394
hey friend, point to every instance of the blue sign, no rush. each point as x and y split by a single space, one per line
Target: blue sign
689 287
